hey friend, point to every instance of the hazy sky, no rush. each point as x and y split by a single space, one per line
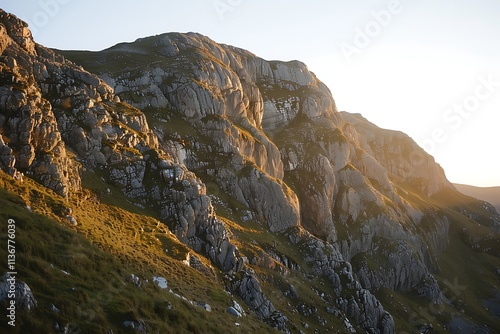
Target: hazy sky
430 68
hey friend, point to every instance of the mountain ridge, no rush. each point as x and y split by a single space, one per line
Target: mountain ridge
488 194
209 138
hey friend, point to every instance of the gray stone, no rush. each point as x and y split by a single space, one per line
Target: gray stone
160 281
23 295
139 326
232 311
206 307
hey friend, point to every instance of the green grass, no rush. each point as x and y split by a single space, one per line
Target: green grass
100 253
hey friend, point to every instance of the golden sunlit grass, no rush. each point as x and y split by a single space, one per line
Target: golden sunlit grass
114 239
95 293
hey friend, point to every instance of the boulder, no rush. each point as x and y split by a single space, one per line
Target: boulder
23 295
232 311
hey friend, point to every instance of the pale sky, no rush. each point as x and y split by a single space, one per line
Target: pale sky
430 68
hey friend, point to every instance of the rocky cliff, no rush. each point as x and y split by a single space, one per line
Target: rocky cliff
268 134
212 139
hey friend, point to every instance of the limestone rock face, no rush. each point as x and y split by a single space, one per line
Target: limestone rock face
220 98
31 140
361 305
403 159
48 104
269 136
248 288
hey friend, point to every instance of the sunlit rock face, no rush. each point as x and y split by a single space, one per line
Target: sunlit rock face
31 141
274 118
269 135
50 107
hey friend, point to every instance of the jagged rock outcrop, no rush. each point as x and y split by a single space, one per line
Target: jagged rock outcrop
31 141
361 306
48 104
248 288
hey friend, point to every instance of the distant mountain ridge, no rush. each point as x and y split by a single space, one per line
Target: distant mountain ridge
488 194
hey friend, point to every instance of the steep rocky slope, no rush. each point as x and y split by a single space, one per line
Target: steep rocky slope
269 136
250 165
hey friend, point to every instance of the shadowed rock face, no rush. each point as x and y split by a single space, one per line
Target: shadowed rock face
177 121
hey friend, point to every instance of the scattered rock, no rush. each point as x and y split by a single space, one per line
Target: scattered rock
139 326
24 297
426 329
205 306
160 281
279 321
72 220
291 292
135 280
231 310
238 307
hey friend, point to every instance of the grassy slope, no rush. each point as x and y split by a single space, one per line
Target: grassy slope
100 253
113 241
474 270
488 194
